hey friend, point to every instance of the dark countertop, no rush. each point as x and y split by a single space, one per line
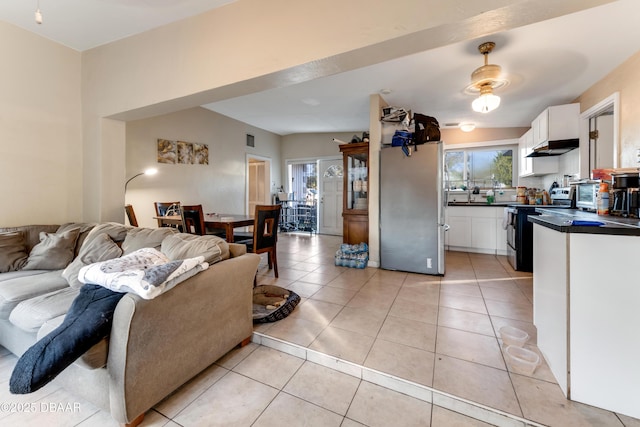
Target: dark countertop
560 220
485 204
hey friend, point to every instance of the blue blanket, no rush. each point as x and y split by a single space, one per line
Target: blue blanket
87 322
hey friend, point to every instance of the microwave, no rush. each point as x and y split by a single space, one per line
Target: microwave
587 196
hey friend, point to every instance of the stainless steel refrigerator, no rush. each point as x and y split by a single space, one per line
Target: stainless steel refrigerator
412 209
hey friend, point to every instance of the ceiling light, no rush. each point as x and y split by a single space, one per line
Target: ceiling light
38 14
487 101
484 80
467 127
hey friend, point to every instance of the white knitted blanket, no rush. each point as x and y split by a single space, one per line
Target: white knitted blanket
146 272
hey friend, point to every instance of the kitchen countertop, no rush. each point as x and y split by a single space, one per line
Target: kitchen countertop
484 203
560 220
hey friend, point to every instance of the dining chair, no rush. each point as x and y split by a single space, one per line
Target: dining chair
131 215
193 219
265 234
161 210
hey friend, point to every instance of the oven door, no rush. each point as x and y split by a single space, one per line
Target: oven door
512 221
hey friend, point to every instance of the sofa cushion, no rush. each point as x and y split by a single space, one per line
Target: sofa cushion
54 252
85 228
138 238
94 358
96 248
10 275
184 246
13 292
30 315
13 251
115 230
87 322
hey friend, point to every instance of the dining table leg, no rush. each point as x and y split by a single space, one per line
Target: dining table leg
229 232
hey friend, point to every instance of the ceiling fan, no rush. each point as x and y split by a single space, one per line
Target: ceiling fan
484 80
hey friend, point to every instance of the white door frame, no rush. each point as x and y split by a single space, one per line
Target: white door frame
611 100
268 179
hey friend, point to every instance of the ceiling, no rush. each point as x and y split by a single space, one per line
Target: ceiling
547 63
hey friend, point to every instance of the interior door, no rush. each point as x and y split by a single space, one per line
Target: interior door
331 174
258 192
601 146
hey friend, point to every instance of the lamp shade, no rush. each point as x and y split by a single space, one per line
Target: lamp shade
150 171
486 102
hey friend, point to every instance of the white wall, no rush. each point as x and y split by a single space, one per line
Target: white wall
219 186
40 134
255 45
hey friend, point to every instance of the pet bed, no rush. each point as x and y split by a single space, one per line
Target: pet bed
272 303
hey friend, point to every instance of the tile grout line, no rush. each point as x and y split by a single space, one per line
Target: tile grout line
400 385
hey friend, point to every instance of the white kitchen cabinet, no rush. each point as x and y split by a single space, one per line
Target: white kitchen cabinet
483 233
476 229
459 233
557 122
551 299
585 310
532 166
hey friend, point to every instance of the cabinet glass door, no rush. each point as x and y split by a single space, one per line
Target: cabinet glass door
357 184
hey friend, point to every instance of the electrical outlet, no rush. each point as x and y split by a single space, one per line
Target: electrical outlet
429 264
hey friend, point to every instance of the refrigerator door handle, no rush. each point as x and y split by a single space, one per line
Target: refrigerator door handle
446 226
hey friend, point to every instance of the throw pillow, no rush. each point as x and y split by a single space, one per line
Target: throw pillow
138 238
95 249
184 246
13 251
54 252
85 228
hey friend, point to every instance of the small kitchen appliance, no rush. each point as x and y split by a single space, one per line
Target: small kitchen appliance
586 195
624 185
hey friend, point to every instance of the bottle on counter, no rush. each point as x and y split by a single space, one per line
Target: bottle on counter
603 199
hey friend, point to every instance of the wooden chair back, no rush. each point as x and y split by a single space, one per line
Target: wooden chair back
265 228
131 215
193 219
161 210
265 233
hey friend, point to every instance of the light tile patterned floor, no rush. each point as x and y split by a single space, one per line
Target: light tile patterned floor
364 348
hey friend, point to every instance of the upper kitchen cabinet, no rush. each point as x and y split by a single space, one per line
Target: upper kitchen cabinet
532 166
556 123
556 130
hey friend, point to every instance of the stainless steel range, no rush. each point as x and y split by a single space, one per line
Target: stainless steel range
520 230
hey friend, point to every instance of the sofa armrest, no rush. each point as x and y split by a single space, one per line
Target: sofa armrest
237 249
157 345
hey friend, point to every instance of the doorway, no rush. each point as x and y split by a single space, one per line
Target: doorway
331 175
599 140
258 179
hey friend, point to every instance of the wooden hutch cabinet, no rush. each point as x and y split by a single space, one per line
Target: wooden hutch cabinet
355 205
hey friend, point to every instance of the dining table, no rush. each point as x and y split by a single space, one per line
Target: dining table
227 222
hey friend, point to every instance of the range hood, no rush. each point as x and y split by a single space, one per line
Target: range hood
554 148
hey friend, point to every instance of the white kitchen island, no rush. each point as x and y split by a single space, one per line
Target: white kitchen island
586 307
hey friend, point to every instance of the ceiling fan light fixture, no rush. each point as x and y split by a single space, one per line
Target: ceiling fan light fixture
484 80
467 127
487 101
38 13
